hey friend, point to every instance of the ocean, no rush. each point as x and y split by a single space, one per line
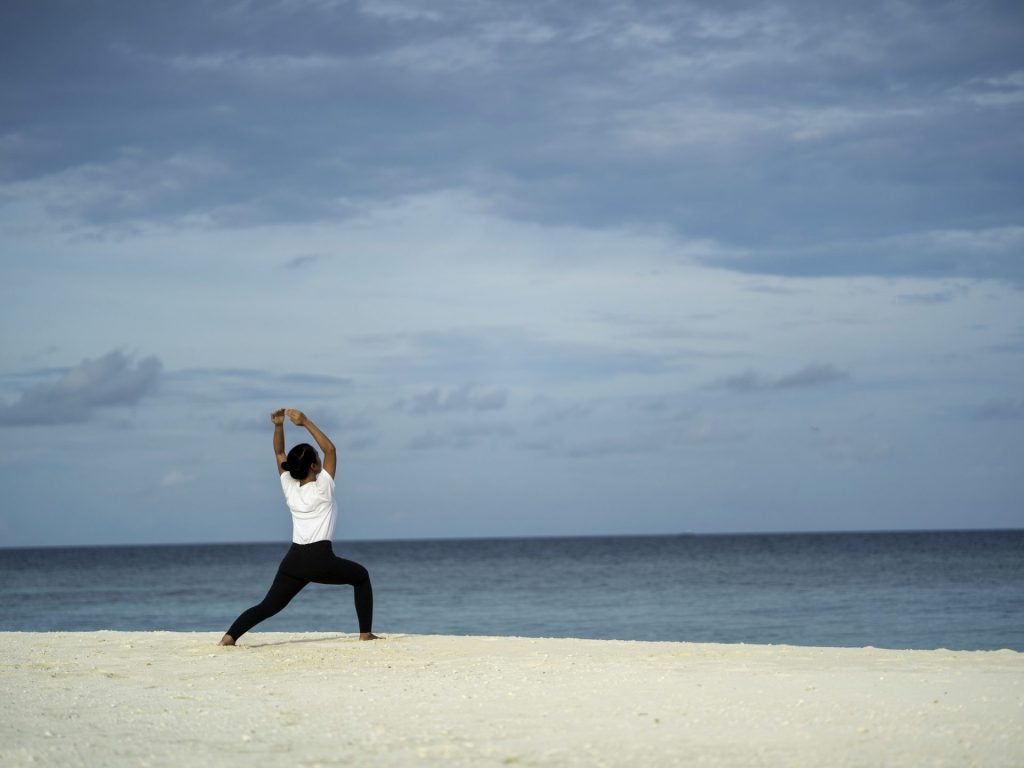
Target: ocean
959 590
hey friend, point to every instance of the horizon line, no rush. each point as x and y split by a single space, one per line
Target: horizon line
679 534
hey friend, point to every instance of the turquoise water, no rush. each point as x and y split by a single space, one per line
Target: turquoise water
945 589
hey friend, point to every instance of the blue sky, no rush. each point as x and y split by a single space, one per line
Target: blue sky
538 269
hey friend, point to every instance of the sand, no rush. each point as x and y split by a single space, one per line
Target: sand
175 698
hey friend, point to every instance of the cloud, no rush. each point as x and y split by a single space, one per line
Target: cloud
813 375
393 10
326 419
745 381
175 478
464 398
107 382
219 385
133 186
667 116
303 261
969 252
550 411
943 296
1000 409
651 442
998 92
460 437
849 449
513 355
654 441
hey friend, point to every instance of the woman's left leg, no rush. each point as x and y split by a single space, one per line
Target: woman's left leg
331 569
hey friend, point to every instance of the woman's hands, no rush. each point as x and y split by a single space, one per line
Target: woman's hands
298 417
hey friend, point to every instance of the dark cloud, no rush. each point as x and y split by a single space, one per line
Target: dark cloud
976 252
813 375
745 381
1000 409
943 296
302 262
803 138
113 380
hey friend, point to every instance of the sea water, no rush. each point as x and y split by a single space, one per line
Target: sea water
943 589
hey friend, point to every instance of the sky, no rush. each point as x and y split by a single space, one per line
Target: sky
537 269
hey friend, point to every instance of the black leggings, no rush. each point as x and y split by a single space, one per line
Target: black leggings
302 564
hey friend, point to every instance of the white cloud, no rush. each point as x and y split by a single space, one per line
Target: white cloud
136 185
395 10
693 122
1003 91
441 56
175 478
465 398
511 31
260 66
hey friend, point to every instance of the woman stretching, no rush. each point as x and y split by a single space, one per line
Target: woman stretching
309 493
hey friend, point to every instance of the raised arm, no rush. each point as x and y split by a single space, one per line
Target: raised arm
330 454
277 418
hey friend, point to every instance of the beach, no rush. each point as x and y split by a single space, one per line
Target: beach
321 699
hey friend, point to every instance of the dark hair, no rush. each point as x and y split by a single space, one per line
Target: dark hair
300 459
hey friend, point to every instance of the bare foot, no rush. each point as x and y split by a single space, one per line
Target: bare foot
369 636
227 640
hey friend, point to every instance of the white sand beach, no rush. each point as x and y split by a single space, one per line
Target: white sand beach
175 698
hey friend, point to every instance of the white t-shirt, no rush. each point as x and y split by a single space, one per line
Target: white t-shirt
314 509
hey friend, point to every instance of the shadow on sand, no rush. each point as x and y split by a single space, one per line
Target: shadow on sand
303 640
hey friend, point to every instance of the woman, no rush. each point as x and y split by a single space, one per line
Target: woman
309 492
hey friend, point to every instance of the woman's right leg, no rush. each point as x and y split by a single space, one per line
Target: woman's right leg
281 592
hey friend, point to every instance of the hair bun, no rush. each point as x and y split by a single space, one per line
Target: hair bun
299 460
